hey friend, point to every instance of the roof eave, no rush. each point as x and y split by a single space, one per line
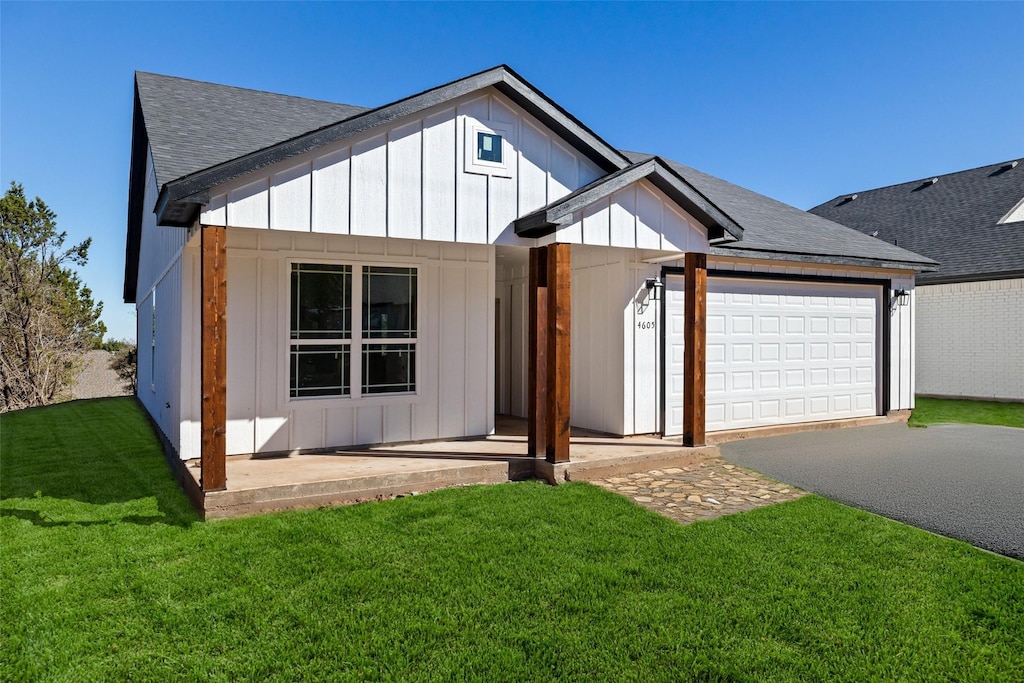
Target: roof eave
827 259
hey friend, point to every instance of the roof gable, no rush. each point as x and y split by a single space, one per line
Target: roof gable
180 199
957 219
547 219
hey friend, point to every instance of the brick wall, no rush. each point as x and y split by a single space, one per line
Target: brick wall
970 339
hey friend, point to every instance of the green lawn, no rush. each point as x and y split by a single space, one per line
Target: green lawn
931 411
108 575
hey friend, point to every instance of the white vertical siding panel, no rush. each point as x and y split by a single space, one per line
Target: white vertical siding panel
623 218
534 147
479 355
648 215
290 198
589 172
249 205
439 154
675 231
428 351
339 426
330 193
596 219
452 357
628 294
471 188
369 425
501 209
271 423
241 372
912 392
906 351
518 305
185 361
369 187
397 422
307 427
563 172
647 356
216 212
405 181
471 219
613 347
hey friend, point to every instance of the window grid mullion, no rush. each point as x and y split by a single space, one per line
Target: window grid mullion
356 366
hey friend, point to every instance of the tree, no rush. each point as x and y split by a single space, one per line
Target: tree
48 319
124 361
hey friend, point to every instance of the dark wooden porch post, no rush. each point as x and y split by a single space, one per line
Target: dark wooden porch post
559 329
694 353
537 364
213 331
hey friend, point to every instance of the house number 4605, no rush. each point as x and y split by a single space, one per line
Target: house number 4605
645 325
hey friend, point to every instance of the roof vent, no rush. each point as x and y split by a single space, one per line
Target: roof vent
926 183
848 198
1012 164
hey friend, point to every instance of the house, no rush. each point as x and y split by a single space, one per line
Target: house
970 310
311 275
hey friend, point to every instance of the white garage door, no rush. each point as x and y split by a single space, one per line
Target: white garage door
785 352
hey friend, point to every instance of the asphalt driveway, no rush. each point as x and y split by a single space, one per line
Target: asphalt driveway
962 481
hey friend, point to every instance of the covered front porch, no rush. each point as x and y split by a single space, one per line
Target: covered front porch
341 476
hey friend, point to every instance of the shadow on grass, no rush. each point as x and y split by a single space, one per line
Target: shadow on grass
93 461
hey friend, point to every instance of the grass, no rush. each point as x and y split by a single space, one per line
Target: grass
108 575
930 411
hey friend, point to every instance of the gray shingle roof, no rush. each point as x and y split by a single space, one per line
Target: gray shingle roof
193 125
772 229
954 220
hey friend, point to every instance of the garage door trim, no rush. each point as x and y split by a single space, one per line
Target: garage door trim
885 314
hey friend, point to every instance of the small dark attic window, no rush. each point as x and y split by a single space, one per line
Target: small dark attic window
488 147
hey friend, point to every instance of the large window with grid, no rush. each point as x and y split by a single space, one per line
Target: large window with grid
334 353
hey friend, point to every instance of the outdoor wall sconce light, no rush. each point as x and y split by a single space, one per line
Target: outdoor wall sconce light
653 285
902 297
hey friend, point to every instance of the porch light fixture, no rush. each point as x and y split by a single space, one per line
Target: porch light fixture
902 297
653 286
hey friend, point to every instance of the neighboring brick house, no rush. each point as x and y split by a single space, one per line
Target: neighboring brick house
970 312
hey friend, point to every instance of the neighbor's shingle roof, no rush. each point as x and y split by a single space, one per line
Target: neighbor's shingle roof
955 220
193 125
772 228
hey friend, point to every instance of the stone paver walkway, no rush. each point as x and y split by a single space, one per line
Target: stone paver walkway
702 491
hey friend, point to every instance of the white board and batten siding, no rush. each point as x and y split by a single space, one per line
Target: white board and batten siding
616 341
159 285
639 216
374 184
454 394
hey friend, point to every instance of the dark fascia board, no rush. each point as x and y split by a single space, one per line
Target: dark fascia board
136 198
740 252
192 190
547 219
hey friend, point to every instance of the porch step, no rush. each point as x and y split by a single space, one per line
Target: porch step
241 502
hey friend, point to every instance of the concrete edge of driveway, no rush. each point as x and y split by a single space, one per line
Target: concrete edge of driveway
892 417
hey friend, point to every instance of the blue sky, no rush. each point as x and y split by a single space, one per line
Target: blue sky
799 101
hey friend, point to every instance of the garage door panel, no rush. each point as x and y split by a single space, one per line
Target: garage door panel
798 352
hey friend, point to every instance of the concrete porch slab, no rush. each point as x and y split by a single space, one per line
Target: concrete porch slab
304 480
